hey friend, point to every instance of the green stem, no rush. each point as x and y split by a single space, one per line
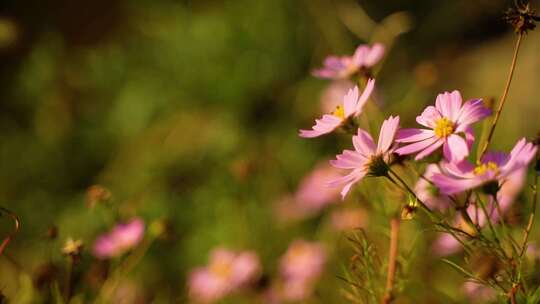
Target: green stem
503 97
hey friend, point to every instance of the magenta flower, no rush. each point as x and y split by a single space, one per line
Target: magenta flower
342 67
446 121
493 167
300 268
352 106
366 158
121 239
226 272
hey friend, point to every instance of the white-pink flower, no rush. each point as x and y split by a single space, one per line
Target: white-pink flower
366 155
300 268
343 67
312 194
226 272
352 106
446 122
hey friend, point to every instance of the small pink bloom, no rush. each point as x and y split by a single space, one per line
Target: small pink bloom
445 122
352 106
348 219
300 268
365 155
342 67
226 272
493 167
121 239
312 195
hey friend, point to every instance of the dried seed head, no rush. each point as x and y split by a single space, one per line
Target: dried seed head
522 17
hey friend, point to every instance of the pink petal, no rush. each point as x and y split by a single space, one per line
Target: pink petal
455 148
387 134
363 143
365 95
350 101
429 150
471 112
327 124
374 55
413 135
448 104
428 117
417 146
349 160
360 54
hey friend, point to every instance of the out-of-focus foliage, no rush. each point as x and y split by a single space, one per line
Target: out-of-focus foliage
188 111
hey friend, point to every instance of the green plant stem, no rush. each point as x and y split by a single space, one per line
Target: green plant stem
503 97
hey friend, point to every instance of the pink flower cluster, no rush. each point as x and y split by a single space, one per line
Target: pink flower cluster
226 272
121 239
446 128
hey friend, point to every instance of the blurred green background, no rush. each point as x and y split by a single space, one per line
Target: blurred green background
188 111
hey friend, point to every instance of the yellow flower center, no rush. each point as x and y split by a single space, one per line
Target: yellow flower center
339 112
221 269
443 127
481 169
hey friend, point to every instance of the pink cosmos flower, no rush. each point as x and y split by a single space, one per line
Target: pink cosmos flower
366 156
300 268
493 167
352 106
312 195
122 238
446 121
226 272
446 244
342 67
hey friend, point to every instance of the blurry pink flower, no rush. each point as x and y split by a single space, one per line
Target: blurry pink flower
352 106
428 193
226 272
446 244
445 122
313 194
367 158
478 292
301 267
348 219
332 96
122 238
342 67
493 167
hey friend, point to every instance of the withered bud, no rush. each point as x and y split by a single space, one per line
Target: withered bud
97 194
409 211
522 17
72 247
